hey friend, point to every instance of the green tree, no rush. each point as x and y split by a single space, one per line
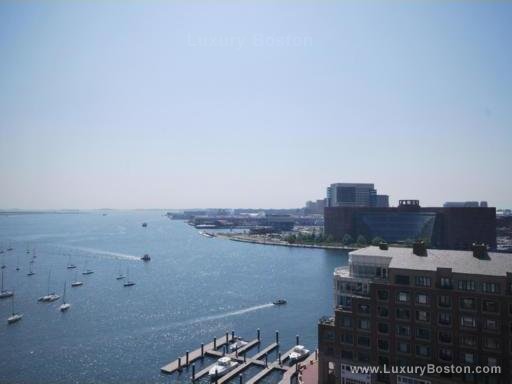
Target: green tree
361 240
291 239
329 239
377 240
347 239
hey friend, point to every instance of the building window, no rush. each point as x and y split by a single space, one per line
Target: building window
364 308
423 316
383 345
469 357
422 350
403 314
347 338
423 333
403 330
492 361
363 357
383 360
402 297
383 328
402 279
468 303
346 322
363 341
490 288
410 380
383 311
382 294
444 301
445 337
423 281
445 318
468 321
364 324
490 306
445 354
466 285
446 282
468 340
491 324
422 299
403 347
491 343
346 354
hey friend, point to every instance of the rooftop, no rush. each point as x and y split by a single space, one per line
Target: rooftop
498 264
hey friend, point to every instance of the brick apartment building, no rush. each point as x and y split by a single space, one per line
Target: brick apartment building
412 307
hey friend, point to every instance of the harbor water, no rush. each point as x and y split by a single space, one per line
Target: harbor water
194 288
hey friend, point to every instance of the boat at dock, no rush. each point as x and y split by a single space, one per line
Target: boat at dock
223 366
299 353
237 344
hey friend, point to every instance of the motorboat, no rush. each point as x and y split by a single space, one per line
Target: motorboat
224 365
237 344
206 234
299 353
144 225
280 302
146 257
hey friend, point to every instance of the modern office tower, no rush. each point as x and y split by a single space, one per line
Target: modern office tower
441 227
355 195
403 307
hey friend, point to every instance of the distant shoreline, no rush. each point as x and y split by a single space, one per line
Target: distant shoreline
12 213
247 239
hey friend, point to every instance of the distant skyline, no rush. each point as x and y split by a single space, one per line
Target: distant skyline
171 104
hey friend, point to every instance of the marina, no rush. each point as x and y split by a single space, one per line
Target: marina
219 348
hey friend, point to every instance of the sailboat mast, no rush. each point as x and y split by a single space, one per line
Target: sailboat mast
64 295
2 282
49 275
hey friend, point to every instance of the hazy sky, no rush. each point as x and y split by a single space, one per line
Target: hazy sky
166 104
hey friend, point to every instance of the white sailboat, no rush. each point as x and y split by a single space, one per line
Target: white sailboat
86 270
128 282
48 298
70 265
76 282
64 306
30 271
14 316
5 293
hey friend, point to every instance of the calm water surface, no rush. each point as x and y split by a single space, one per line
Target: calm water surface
193 289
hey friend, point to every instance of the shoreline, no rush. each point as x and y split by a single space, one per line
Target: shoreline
246 239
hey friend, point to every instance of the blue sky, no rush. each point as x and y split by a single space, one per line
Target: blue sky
252 104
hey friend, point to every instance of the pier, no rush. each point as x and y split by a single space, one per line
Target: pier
219 347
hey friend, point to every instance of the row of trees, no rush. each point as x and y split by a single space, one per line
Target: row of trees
360 241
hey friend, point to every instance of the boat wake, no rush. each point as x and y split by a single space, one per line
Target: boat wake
114 255
227 314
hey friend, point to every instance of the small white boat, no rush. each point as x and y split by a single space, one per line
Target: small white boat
4 293
223 366
76 282
64 306
237 344
299 353
49 297
206 234
87 271
14 316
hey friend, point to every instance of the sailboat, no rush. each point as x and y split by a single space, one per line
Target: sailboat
120 276
64 306
48 298
28 249
128 282
4 293
87 271
18 263
3 262
30 271
70 265
10 247
14 316
76 283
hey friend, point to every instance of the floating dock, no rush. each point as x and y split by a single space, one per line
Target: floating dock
219 347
